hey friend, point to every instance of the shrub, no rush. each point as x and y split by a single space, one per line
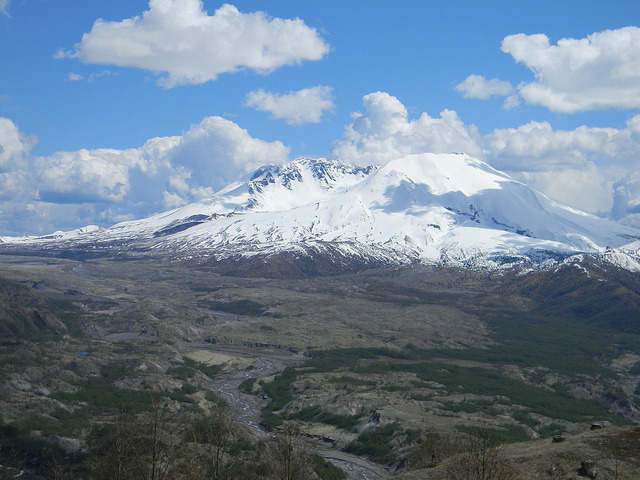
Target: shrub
375 444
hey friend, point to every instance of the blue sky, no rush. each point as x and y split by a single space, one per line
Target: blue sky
163 102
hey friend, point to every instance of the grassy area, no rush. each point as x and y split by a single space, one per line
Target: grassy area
237 307
247 385
316 414
376 444
437 367
556 403
327 470
100 391
188 368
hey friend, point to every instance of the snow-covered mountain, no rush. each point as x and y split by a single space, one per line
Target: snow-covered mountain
446 209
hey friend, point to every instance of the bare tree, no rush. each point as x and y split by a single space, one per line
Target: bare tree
139 446
213 437
480 459
433 448
156 451
114 445
290 455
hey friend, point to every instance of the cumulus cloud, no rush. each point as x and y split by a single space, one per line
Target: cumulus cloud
477 86
15 146
109 185
296 108
220 152
179 38
597 72
535 146
594 169
588 188
384 132
586 168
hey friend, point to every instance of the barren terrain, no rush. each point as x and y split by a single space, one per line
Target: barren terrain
403 351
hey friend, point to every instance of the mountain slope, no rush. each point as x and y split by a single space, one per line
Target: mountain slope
436 208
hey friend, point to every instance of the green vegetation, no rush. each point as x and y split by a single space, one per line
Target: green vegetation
551 430
279 392
180 394
316 414
247 385
189 367
525 419
61 422
395 388
485 406
487 382
279 389
412 434
270 420
100 391
237 307
346 380
557 403
375 444
327 470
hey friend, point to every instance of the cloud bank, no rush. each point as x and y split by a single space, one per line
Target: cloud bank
72 189
586 168
179 38
296 108
594 169
598 72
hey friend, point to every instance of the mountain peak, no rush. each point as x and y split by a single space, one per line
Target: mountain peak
443 173
435 208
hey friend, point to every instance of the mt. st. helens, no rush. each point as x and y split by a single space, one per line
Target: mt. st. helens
445 209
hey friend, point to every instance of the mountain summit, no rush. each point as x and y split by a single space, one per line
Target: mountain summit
435 208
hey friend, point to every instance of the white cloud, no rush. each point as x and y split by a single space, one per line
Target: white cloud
180 39
477 86
75 77
594 169
296 108
384 132
108 185
218 152
597 72
588 188
535 146
579 167
626 199
83 177
15 146
4 7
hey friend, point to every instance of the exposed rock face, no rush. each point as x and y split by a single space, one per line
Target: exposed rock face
627 409
69 445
